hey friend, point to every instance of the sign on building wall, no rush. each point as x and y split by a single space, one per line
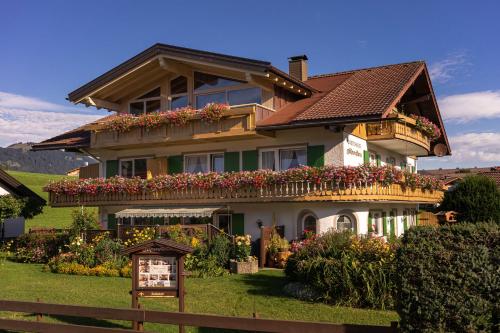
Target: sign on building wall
353 150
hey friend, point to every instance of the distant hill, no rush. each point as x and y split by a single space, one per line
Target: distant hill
18 157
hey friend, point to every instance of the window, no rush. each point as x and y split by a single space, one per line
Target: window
149 102
345 223
292 158
288 158
217 162
309 222
134 168
223 222
202 163
390 161
211 88
178 93
373 158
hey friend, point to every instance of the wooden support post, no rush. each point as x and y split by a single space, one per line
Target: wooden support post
135 305
140 324
181 290
39 316
394 326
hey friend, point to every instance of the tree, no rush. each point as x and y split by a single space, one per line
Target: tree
83 219
475 198
9 207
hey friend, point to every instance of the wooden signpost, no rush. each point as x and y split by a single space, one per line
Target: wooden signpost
157 271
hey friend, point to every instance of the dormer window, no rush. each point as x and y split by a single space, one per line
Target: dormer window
210 88
149 102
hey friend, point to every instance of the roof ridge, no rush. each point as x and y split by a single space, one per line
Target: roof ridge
363 69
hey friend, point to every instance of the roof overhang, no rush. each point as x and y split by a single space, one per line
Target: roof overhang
152 58
168 212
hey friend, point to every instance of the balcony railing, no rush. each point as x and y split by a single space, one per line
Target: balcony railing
402 128
239 121
286 192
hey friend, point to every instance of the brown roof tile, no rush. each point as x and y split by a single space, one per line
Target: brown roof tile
351 94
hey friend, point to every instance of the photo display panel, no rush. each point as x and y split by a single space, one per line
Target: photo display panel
157 272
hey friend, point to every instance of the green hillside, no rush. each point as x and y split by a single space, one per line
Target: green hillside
51 217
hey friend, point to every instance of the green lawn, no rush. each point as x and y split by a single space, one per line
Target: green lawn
235 295
51 217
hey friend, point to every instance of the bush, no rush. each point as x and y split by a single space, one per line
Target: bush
449 279
83 219
39 247
475 198
210 261
346 270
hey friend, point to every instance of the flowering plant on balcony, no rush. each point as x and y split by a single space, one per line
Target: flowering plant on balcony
213 112
180 117
427 126
341 177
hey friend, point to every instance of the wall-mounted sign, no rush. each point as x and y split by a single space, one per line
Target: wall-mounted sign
157 272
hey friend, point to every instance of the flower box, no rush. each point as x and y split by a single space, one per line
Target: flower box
244 267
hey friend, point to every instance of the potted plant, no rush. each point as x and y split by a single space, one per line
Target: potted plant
283 253
243 262
273 248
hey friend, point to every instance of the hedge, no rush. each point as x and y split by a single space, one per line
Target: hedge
449 279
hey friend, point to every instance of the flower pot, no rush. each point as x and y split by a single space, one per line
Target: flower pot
244 267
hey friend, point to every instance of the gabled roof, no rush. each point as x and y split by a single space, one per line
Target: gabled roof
368 93
181 53
13 186
158 243
76 139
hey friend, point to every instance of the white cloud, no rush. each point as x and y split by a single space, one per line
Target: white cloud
444 70
24 118
469 150
471 106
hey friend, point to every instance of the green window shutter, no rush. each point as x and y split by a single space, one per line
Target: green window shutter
393 224
232 161
112 222
366 157
384 224
417 217
370 229
175 164
316 156
405 222
238 224
379 163
412 169
250 160
111 168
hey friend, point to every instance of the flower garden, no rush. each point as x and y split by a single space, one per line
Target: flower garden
364 175
125 122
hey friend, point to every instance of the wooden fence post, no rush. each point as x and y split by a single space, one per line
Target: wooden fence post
140 324
394 326
38 315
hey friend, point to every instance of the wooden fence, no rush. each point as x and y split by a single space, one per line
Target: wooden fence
142 316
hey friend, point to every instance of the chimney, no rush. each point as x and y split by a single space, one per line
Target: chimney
297 67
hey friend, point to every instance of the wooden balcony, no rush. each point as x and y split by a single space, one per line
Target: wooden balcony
400 135
287 192
237 123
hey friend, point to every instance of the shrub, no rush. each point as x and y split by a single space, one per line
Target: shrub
242 248
346 270
39 247
449 279
83 219
476 198
210 261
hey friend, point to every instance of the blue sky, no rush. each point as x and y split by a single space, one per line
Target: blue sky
50 48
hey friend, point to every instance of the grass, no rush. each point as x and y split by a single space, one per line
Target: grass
51 217
234 295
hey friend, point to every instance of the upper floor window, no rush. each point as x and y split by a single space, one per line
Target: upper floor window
202 163
134 168
390 161
211 88
149 102
283 159
178 92
373 158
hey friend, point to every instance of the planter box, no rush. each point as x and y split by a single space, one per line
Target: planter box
244 267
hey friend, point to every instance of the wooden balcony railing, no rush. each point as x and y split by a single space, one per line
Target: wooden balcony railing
237 122
290 191
402 128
